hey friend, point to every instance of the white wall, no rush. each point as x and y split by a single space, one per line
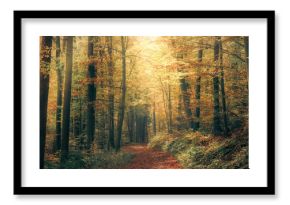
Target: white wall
282 96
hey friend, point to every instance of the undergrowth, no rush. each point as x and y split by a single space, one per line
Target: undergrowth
83 160
195 150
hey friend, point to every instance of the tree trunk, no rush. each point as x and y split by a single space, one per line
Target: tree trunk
225 116
135 132
169 109
130 123
59 72
145 128
154 119
67 100
77 117
246 42
111 108
184 85
102 133
216 118
123 97
46 43
197 91
165 106
91 96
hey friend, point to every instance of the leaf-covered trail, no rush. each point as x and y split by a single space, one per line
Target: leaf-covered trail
146 158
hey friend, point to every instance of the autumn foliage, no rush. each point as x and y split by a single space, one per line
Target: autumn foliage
186 97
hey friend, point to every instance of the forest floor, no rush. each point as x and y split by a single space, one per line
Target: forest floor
147 158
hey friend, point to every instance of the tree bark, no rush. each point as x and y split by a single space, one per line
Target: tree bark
67 100
169 109
216 118
184 85
197 91
46 43
123 97
179 117
154 119
91 95
164 92
111 97
59 72
77 117
102 133
225 116
246 42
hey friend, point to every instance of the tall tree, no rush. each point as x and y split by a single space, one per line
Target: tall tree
154 119
67 100
197 90
111 141
59 73
184 86
224 104
216 118
185 90
169 107
179 117
102 120
91 95
165 103
246 42
123 95
130 123
46 44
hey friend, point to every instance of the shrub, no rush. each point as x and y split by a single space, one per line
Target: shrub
83 160
199 151
111 160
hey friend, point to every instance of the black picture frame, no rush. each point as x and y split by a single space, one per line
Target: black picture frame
268 190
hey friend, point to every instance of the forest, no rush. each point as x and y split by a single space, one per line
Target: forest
144 102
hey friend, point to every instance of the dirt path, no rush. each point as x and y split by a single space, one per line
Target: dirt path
146 158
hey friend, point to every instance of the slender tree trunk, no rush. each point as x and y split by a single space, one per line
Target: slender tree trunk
169 109
225 116
179 117
123 97
130 123
78 125
145 128
129 126
67 100
154 119
111 108
91 96
135 131
216 118
197 91
184 85
246 42
102 135
139 130
46 43
165 106
77 117
59 72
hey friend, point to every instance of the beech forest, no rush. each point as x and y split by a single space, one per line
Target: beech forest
144 102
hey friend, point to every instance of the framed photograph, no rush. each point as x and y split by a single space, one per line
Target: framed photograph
144 102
